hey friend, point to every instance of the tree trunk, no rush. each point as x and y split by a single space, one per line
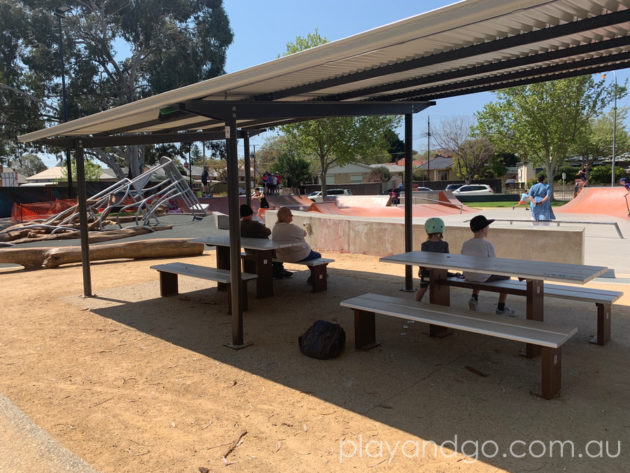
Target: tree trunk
41 258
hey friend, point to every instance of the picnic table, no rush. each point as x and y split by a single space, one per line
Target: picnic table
535 273
262 251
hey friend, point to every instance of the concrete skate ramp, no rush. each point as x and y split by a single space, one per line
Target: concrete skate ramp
374 206
598 200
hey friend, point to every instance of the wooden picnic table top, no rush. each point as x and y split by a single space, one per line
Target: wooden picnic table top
539 270
247 243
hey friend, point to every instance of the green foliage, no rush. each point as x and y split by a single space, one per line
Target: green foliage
166 44
542 122
379 174
570 171
602 174
338 140
395 146
297 169
495 167
92 171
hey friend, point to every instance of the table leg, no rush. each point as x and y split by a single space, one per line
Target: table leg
223 262
551 379
168 284
439 294
364 330
264 281
535 310
603 324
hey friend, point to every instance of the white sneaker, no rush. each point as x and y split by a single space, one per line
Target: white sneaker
472 303
506 311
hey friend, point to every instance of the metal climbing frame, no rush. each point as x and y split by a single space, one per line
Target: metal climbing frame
132 194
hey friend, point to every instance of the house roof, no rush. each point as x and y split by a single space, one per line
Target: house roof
439 162
57 173
399 68
350 168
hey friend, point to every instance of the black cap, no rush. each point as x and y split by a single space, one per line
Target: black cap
246 210
479 223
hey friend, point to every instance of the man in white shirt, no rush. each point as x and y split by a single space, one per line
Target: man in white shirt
479 246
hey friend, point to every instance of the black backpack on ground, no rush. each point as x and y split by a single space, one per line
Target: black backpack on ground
323 340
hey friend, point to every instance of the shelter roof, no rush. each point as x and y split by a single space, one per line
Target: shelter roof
463 48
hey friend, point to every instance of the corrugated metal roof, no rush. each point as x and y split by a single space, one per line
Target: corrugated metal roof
467 47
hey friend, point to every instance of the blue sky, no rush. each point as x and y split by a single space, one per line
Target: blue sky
262 28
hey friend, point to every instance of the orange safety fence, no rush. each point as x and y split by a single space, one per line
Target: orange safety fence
39 210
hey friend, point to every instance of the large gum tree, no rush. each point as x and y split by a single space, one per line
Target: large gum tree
115 52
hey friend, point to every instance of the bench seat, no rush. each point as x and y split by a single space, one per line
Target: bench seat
318 269
170 271
603 299
549 337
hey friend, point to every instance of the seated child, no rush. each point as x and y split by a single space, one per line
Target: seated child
434 243
480 246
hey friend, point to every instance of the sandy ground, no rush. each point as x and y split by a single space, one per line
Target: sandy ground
132 382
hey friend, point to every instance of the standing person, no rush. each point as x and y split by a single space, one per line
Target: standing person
480 246
205 189
540 200
285 231
434 243
250 228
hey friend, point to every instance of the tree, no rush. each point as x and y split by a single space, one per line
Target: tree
28 164
542 122
115 53
379 174
395 146
92 171
597 142
470 156
338 140
292 168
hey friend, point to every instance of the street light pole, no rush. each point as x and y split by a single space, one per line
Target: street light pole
60 13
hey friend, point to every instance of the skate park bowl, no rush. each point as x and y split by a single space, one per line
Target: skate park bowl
598 200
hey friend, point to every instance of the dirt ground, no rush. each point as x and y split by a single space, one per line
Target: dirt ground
132 382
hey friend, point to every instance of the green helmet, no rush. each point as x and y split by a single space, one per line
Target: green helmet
434 225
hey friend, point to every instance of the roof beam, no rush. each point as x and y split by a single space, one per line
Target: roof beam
462 53
564 53
141 139
511 80
225 109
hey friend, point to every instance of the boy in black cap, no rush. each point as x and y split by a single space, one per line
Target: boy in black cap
251 228
480 246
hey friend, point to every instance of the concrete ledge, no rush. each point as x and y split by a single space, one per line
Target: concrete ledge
382 237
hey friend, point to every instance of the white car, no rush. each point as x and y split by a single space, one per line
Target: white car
474 189
316 196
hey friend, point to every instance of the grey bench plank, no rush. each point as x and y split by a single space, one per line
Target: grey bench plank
170 271
518 330
201 272
549 337
313 262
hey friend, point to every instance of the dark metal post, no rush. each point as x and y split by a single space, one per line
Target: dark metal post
248 187
61 13
83 219
235 236
428 149
408 197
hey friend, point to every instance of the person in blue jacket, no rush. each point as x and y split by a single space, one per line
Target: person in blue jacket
540 200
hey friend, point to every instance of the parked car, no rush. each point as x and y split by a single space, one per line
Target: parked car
473 189
453 187
316 196
424 189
